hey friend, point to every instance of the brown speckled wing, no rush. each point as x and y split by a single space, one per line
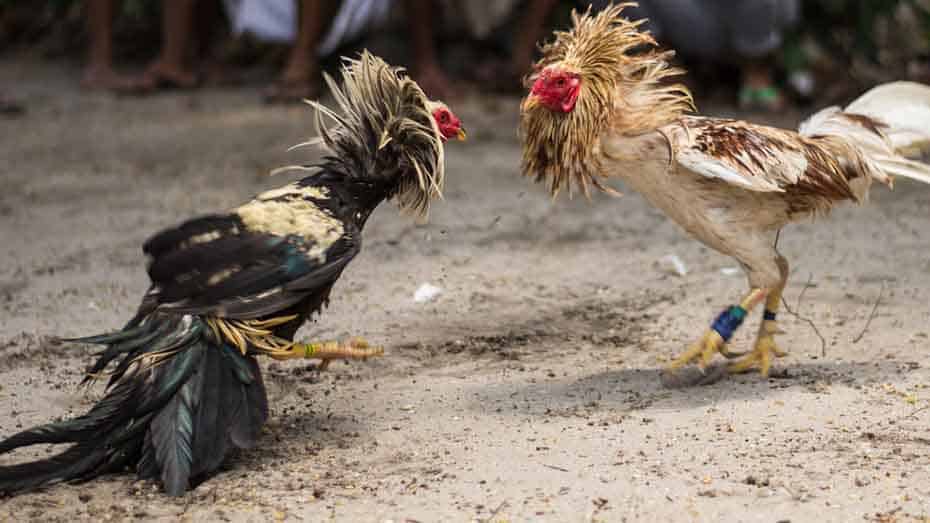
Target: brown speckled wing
766 159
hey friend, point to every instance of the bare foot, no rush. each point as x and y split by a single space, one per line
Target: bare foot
294 87
98 77
159 75
291 92
9 107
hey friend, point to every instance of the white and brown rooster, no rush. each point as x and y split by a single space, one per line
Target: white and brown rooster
601 107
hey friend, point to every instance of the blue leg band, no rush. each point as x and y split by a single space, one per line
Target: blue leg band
768 315
728 321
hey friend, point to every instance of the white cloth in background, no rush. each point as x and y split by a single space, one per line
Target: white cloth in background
481 16
276 20
354 18
269 20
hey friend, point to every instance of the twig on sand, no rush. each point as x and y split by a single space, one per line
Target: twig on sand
599 505
808 285
871 314
553 467
914 413
784 302
495 512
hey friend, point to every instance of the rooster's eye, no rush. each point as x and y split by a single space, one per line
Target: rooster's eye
560 82
444 118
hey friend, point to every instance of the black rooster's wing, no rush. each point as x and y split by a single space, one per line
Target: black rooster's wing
221 266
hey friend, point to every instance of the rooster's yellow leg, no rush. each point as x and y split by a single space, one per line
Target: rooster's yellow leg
355 348
716 338
765 348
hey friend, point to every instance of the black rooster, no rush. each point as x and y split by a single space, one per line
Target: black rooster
186 387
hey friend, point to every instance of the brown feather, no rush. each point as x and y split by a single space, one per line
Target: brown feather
762 154
622 76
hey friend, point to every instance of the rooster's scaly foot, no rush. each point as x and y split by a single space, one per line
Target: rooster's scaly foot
715 340
761 356
355 348
705 349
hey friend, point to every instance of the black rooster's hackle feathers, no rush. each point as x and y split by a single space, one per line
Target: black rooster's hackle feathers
385 132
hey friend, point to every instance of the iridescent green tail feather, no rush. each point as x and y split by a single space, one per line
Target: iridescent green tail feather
176 402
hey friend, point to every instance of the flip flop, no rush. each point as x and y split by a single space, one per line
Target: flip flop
767 98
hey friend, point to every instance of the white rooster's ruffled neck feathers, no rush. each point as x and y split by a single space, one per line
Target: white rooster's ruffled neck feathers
621 75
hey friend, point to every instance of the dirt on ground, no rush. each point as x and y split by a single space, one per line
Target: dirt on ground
530 389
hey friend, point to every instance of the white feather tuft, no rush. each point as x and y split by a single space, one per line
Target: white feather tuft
901 111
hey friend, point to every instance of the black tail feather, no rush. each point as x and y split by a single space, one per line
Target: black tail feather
173 433
176 403
108 411
147 334
254 411
112 337
214 410
147 467
70 464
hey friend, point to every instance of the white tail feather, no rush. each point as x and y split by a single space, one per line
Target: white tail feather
900 166
904 107
903 111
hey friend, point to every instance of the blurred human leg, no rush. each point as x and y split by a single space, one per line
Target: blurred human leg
301 75
532 29
757 28
99 73
172 67
744 33
421 20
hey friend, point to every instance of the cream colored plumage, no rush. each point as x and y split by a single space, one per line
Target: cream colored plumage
729 183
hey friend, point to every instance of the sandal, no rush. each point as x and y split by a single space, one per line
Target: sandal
767 98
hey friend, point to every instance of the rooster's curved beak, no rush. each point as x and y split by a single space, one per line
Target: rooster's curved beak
461 134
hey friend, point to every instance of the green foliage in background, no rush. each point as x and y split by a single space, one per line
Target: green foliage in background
850 27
